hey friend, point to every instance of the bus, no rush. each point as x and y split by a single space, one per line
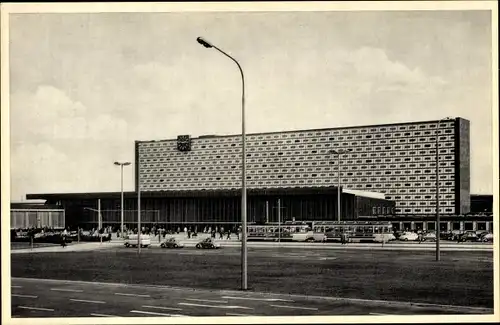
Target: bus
288 231
358 231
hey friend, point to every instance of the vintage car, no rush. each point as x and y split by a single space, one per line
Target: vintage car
487 237
171 243
468 236
131 241
208 243
408 236
429 236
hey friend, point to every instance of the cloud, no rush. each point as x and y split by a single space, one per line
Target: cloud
45 168
50 114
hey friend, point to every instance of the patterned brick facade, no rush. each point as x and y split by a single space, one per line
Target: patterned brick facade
395 159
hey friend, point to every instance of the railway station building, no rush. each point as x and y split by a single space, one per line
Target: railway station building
386 172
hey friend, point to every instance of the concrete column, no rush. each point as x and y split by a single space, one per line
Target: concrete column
99 219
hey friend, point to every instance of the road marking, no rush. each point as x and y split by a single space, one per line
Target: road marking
292 307
461 309
257 299
89 301
103 315
236 314
160 307
327 258
132 295
152 313
16 286
24 296
36 308
206 300
68 290
212 306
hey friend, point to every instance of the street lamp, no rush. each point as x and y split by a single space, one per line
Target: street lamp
339 152
438 217
121 164
243 168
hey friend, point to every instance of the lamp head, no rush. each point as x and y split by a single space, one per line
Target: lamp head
204 43
126 163
117 163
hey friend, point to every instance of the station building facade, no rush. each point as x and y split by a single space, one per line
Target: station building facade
294 175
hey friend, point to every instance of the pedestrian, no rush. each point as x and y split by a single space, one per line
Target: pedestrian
237 233
342 238
228 234
420 237
63 238
189 232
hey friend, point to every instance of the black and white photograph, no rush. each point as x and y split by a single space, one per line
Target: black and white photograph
233 162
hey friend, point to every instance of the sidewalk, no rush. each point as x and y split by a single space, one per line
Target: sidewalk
234 242
73 247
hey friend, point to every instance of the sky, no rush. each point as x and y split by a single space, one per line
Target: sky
84 87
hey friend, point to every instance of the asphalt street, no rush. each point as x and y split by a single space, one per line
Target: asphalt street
352 280
61 298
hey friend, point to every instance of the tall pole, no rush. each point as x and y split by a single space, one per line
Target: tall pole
122 164
338 187
279 220
243 168
99 219
438 217
338 152
121 203
138 213
244 281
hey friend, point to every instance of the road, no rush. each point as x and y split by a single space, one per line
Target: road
61 298
460 278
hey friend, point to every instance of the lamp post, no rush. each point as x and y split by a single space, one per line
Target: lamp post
338 152
121 164
243 168
438 217
138 212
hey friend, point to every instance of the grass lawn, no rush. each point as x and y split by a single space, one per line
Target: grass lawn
460 278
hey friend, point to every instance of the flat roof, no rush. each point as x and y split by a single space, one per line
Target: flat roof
304 130
185 193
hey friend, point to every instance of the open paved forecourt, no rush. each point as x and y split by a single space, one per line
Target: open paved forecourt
460 278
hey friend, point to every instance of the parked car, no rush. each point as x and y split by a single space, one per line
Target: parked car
171 243
208 243
131 241
468 236
378 238
408 236
454 234
429 236
487 237
398 233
